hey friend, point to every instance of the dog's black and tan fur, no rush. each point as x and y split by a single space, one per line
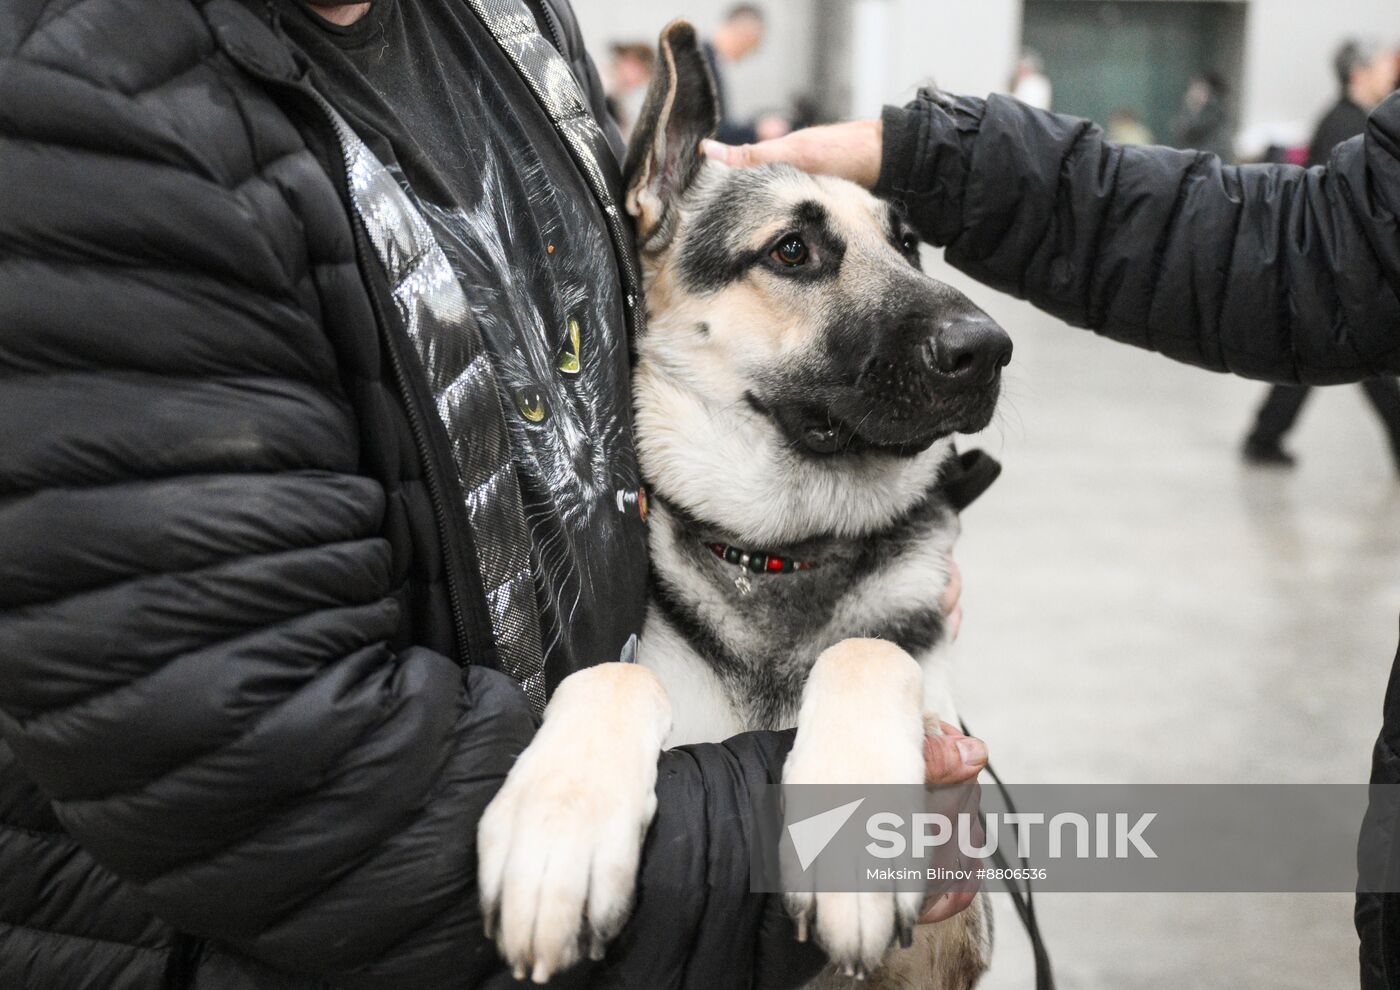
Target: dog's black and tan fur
796 393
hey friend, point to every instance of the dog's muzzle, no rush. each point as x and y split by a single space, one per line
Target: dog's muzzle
941 382
925 381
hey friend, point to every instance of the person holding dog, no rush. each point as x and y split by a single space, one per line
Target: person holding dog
1271 272
316 477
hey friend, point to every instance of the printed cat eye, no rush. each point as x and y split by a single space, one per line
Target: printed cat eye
531 406
571 357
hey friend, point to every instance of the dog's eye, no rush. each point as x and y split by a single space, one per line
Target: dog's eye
910 243
531 406
791 252
571 357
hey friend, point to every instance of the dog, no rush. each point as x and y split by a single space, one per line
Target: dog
796 394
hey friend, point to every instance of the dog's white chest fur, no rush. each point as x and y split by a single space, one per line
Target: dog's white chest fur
711 701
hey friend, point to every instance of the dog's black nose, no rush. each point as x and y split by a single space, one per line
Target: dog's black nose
968 348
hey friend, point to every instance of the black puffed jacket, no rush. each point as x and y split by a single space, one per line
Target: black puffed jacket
246 730
1267 271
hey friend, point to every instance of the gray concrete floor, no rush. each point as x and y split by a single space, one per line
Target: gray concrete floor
1141 607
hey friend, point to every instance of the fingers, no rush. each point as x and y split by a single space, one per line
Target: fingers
945 907
951 600
851 150
952 594
745 155
952 758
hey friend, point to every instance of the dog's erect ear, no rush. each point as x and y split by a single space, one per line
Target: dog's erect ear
681 110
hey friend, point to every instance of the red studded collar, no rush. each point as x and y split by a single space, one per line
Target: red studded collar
759 563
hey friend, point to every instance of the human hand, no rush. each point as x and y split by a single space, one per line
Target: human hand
952 758
952 761
849 151
951 600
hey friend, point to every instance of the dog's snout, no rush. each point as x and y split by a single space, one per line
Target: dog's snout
970 348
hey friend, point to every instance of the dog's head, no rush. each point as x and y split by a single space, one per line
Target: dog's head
801 374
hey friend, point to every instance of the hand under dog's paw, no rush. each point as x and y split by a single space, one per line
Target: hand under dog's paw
560 844
860 723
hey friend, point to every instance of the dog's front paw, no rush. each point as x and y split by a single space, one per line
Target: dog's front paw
560 843
856 929
861 722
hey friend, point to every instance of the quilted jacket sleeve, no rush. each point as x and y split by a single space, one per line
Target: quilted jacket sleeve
195 593
1270 272
195 596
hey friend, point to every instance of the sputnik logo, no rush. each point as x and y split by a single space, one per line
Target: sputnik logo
811 835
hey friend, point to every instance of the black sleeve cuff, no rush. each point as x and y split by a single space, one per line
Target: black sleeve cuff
927 149
695 922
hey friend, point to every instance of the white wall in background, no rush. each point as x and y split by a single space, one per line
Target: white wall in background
781 68
873 72
1288 53
969 46
893 47
966 46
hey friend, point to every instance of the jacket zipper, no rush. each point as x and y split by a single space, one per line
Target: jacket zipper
430 475
553 28
401 380
631 278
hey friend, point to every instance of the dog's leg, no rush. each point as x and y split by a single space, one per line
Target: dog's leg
861 722
951 955
560 843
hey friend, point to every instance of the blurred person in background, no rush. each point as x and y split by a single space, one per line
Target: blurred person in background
1125 127
1030 84
1204 121
629 73
1366 71
738 36
1272 272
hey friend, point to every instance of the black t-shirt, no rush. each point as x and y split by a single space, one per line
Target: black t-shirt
429 91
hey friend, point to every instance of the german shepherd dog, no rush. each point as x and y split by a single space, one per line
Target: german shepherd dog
796 393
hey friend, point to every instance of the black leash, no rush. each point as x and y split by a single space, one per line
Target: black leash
1022 899
967 478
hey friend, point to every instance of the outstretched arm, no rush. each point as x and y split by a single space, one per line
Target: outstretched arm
1266 271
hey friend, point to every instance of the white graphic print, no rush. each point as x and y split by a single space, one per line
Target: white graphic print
539 276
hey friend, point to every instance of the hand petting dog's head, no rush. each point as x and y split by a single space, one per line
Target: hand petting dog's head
800 374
